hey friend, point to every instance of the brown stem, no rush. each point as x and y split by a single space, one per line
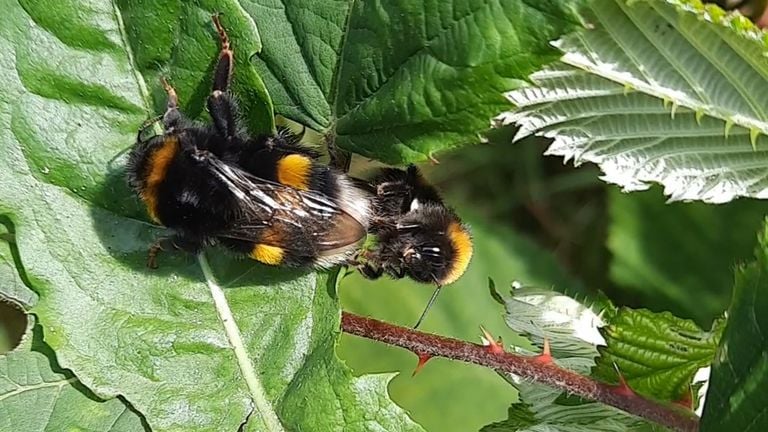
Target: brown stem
530 367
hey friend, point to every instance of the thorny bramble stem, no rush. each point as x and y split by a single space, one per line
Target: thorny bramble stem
528 367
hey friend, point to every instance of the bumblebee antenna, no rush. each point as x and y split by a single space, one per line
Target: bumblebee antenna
429 306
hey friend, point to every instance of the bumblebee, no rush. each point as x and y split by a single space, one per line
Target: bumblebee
266 197
416 234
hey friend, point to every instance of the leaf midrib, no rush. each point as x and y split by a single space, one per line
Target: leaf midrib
22 389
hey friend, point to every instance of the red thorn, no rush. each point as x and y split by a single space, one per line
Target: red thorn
433 159
546 353
622 388
493 346
686 400
423 359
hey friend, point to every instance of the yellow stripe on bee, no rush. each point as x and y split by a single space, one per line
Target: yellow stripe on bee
462 247
267 254
294 170
158 165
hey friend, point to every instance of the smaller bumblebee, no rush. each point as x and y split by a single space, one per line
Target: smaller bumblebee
265 197
416 235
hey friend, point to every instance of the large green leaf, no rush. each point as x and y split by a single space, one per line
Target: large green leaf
431 396
34 398
398 81
73 98
738 390
657 353
658 91
663 266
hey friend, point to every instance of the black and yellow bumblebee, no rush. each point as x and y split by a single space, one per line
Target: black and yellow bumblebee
269 197
415 233
266 196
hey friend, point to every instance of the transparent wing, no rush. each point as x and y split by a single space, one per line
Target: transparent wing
274 213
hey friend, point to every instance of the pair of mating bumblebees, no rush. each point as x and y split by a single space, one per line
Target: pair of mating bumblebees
268 197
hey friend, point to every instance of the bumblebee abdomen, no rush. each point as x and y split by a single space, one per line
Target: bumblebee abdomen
148 170
291 253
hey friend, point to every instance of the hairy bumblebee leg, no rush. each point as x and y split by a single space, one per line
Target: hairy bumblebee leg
223 73
160 244
339 159
172 115
146 125
222 111
190 245
370 272
220 104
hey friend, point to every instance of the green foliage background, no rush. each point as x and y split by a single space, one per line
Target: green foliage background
74 100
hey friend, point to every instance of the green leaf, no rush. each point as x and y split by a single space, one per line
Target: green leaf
663 266
657 353
658 91
35 398
738 388
431 395
74 96
572 330
398 81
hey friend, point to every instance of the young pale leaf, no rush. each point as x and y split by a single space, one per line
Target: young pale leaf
34 398
73 99
664 265
400 80
657 353
572 330
738 390
658 91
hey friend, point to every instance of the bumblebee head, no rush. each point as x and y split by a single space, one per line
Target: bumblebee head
433 245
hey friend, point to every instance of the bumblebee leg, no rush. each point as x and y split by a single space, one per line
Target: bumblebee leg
370 272
160 244
223 73
146 125
222 111
340 159
170 243
396 272
220 104
172 115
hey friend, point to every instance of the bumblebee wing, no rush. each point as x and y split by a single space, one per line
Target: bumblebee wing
278 215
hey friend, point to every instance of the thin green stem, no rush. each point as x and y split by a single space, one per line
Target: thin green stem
262 405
